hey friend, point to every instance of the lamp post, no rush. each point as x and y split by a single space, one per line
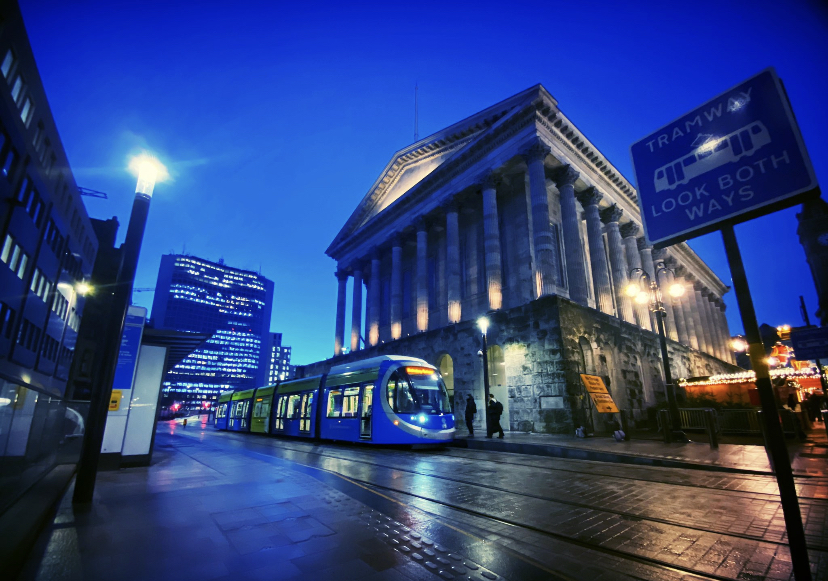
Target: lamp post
483 324
149 171
646 290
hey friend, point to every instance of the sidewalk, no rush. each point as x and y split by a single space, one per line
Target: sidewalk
807 458
203 513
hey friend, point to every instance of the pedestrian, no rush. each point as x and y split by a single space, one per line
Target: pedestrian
493 413
471 409
815 407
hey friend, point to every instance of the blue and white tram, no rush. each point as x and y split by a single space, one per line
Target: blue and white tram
384 400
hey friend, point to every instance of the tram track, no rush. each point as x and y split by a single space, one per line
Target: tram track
543 498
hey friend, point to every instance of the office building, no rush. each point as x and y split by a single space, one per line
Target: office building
230 304
47 249
280 368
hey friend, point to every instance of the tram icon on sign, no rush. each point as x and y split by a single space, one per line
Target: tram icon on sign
713 153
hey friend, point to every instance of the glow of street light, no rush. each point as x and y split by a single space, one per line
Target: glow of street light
642 298
483 324
676 290
83 288
632 289
738 345
149 171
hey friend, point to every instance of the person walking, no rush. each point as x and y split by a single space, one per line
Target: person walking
471 409
494 411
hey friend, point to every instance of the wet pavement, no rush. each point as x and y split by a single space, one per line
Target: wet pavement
238 506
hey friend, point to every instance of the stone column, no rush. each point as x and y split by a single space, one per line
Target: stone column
339 339
720 312
695 303
629 231
573 245
422 276
709 325
687 305
374 296
646 252
589 199
618 262
396 288
491 242
453 264
679 303
546 246
667 281
356 312
721 343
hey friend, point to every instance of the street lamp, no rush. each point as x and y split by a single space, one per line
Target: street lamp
149 171
647 291
483 324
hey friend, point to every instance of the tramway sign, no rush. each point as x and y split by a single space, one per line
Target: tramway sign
736 157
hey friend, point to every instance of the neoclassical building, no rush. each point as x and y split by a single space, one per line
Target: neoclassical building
514 213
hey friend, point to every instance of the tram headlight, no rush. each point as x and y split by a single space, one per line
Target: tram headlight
422 418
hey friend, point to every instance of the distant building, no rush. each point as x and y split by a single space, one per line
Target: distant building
813 235
47 249
280 367
514 213
234 306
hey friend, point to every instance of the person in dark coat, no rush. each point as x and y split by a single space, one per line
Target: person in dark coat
493 412
471 409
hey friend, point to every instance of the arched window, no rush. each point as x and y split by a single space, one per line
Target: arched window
497 366
446 367
587 357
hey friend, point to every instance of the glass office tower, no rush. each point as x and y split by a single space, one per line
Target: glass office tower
234 305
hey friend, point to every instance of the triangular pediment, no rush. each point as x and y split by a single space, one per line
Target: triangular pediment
411 165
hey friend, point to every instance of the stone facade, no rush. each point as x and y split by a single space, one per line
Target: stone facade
546 345
513 213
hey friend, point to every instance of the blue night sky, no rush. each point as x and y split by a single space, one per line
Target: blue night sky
275 118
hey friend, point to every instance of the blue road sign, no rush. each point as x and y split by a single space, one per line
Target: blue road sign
810 343
736 157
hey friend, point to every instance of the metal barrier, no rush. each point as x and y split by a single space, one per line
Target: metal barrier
739 422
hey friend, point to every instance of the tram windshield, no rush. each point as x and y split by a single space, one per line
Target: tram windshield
418 392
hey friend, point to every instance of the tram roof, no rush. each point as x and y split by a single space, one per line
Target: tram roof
372 362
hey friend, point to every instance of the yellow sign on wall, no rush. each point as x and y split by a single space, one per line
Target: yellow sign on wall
599 394
115 400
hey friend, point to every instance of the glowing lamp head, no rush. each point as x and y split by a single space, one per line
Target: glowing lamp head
422 418
83 288
149 171
738 345
676 290
483 324
632 289
642 298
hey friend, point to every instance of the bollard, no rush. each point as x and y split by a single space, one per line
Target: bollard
664 416
824 419
710 425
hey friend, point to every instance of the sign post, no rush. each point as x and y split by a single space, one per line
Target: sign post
737 157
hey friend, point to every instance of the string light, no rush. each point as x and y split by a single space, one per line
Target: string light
747 377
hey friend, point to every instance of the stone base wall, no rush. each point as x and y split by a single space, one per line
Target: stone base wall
546 345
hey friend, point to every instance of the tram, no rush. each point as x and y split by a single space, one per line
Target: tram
389 399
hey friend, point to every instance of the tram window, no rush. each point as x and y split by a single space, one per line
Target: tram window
264 409
721 145
660 174
293 407
689 160
257 409
671 175
350 402
280 413
335 403
400 397
756 129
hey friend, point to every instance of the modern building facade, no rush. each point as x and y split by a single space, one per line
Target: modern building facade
279 367
230 304
514 213
47 249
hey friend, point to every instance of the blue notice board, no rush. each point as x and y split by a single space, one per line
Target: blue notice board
810 343
130 345
734 158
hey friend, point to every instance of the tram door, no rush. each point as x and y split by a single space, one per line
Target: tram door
367 411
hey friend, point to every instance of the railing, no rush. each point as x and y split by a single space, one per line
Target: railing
732 421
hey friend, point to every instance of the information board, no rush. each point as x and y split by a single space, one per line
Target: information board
810 343
738 156
599 394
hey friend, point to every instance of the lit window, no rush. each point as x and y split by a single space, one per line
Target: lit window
8 61
26 111
17 88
